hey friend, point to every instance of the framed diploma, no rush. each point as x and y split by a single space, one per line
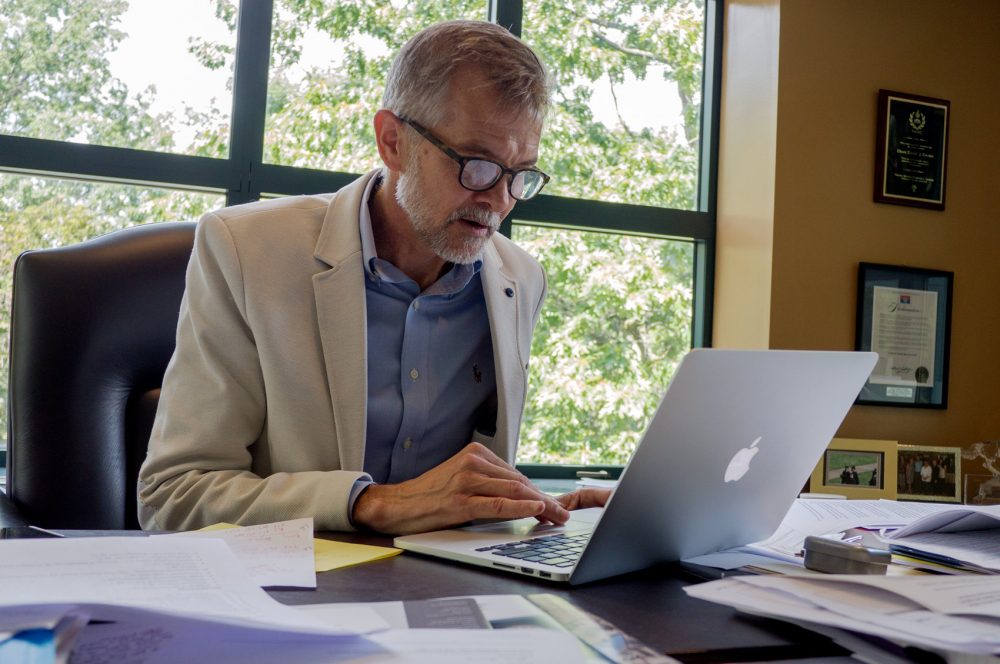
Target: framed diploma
912 149
904 315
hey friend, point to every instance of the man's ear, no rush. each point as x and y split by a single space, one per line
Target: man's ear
389 137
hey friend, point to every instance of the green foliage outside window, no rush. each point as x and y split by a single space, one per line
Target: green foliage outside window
618 316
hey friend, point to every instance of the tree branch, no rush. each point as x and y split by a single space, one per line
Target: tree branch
618 111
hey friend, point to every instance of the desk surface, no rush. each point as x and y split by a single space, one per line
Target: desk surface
650 605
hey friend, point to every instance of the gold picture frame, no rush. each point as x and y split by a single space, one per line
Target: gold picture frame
944 485
857 468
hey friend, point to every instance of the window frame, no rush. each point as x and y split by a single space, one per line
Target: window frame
244 175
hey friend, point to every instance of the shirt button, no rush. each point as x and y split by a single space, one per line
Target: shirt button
407 444
416 305
414 374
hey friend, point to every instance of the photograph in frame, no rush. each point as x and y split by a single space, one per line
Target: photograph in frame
856 468
911 150
929 473
904 315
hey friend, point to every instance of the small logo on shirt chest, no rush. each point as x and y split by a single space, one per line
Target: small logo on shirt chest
477 375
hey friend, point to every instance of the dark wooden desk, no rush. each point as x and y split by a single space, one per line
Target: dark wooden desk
650 605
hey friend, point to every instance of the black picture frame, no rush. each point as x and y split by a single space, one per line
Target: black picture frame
923 300
911 152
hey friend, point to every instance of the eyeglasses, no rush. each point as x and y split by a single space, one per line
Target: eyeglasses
477 174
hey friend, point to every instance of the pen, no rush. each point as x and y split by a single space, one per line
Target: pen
926 555
47 532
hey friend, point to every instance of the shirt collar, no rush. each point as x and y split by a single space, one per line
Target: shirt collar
368 254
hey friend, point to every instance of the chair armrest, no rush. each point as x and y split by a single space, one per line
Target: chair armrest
10 516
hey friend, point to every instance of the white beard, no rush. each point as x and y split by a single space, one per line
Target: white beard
434 233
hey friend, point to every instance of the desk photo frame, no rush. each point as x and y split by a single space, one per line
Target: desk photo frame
904 315
929 473
856 468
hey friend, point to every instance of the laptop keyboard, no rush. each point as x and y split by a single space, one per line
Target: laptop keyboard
555 550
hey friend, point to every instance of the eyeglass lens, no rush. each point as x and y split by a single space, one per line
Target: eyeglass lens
479 175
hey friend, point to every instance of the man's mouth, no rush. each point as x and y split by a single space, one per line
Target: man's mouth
477 224
476 227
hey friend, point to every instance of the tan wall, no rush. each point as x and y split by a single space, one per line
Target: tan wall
833 56
747 152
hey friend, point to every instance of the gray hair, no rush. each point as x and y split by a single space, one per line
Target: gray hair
418 82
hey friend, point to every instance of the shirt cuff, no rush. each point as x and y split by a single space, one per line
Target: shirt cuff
359 487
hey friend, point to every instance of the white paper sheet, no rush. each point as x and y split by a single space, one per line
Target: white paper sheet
978 547
277 554
461 646
138 636
954 519
821 517
186 576
869 605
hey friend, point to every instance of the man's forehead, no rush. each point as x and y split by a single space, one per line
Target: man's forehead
480 117
526 134
495 134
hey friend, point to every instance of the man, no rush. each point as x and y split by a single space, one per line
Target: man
361 357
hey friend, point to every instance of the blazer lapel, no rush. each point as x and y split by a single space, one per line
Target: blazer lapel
340 307
500 292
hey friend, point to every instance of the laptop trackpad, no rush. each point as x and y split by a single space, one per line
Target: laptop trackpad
579 521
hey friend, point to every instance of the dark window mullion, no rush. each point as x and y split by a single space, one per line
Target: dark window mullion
80 161
508 13
591 215
246 139
704 257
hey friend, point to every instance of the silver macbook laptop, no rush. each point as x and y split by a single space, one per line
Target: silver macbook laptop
730 446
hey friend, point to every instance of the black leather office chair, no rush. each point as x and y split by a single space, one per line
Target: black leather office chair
92 329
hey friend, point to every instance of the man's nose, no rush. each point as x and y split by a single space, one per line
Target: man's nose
497 197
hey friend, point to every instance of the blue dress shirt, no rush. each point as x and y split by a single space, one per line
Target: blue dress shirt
431 377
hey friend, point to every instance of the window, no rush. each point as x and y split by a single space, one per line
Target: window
615 324
328 67
625 230
135 75
38 212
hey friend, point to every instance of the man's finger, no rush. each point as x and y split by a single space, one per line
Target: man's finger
483 507
584 498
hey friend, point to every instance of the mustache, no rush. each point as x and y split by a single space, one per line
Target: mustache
478 215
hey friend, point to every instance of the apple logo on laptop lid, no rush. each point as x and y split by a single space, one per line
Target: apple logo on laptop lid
740 463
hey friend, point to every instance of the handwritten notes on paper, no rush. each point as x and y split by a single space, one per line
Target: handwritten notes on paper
277 554
264 543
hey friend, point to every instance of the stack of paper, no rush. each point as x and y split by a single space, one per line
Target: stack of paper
166 599
819 517
960 539
949 614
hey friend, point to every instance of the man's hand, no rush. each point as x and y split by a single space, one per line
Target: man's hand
473 484
584 498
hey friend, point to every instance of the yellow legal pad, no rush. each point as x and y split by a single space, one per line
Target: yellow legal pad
334 555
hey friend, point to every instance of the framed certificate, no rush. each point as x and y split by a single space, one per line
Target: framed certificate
904 315
912 149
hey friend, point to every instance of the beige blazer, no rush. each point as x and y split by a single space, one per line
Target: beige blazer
263 408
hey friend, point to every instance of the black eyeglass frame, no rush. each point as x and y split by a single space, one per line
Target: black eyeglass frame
463 160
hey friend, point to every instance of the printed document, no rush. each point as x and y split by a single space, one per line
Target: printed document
942 613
